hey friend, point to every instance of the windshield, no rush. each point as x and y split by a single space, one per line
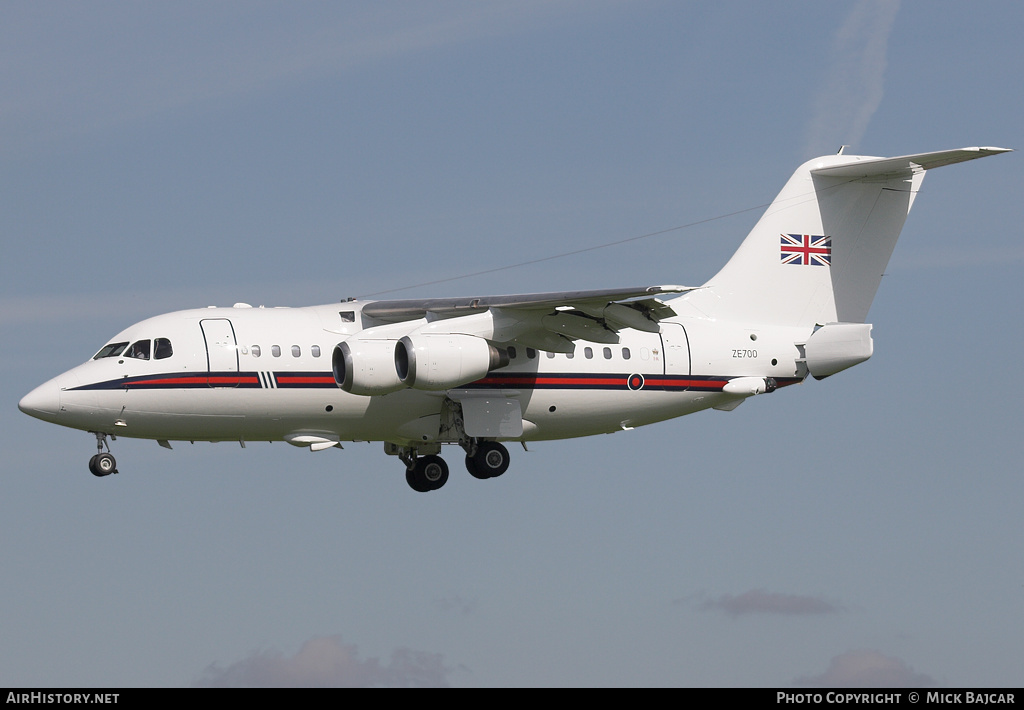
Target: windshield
111 350
139 350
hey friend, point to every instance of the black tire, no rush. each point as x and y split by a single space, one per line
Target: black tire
102 465
473 470
414 482
491 458
429 474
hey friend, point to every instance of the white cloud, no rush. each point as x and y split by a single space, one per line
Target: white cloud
69 72
867 669
455 604
326 662
760 601
855 82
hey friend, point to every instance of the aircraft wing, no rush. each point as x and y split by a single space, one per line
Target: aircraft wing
549 321
411 309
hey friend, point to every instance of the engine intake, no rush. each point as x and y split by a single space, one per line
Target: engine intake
437 361
366 367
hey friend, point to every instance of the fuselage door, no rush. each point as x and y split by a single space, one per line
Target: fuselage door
221 352
676 348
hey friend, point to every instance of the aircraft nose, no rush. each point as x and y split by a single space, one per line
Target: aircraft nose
43 402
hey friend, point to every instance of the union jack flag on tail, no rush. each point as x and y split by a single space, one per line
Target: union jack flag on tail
806 250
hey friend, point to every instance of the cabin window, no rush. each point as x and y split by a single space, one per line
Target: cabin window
348 316
256 352
531 353
607 353
163 349
588 353
111 350
550 354
315 351
571 355
625 353
296 351
138 350
275 350
511 352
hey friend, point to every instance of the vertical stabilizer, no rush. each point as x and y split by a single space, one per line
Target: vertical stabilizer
818 253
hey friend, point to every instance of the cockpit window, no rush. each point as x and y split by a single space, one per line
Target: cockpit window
138 350
163 349
111 350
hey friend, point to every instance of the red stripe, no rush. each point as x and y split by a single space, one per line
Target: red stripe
551 381
193 381
172 381
231 380
285 379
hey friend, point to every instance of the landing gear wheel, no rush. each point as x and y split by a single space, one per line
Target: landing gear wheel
490 460
428 474
102 465
473 470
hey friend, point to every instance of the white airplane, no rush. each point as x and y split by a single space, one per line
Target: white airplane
417 374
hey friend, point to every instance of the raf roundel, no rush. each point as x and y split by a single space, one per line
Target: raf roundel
635 382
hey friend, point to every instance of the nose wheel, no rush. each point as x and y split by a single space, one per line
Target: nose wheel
103 463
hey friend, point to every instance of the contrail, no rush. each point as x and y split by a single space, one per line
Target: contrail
855 82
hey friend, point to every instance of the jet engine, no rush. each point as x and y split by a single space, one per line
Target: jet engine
366 366
438 361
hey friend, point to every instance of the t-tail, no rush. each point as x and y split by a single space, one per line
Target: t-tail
817 255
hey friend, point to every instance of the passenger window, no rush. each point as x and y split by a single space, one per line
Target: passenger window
571 355
138 350
256 351
511 352
296 351
531 353
111 350
348 316
625 353
550 354
607 353
275 350
163 349
315 351
588 353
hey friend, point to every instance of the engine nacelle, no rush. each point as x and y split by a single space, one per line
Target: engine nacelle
439 361
366 366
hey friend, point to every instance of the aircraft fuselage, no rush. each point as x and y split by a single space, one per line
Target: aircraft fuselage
256 374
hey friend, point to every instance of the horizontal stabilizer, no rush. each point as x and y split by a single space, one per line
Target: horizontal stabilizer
905 165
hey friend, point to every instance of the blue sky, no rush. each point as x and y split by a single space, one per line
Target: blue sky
861 529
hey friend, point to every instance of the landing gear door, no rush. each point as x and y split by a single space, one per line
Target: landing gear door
221 352
677 349
491 416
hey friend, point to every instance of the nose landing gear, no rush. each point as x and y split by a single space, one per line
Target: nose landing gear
103 463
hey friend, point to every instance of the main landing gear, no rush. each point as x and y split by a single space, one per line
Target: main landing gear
489 460
484 459
103 463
